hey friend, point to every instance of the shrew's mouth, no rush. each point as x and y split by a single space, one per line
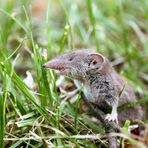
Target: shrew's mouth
61 70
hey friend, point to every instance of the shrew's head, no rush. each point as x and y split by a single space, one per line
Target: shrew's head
78 64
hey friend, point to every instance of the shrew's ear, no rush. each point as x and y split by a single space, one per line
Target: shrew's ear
96 59
100 63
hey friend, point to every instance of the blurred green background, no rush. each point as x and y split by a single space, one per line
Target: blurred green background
28 29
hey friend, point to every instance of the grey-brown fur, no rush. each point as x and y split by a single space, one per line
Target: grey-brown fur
102 85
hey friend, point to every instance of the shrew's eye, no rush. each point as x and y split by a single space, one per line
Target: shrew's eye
71 58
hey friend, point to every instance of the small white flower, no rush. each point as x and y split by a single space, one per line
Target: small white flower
29 80
60 80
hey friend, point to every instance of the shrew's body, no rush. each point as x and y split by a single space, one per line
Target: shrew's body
103 87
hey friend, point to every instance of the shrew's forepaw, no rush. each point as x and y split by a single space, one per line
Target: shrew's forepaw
69 94
112 117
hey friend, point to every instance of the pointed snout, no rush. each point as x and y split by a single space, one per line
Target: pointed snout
55 64
51 64
46 65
